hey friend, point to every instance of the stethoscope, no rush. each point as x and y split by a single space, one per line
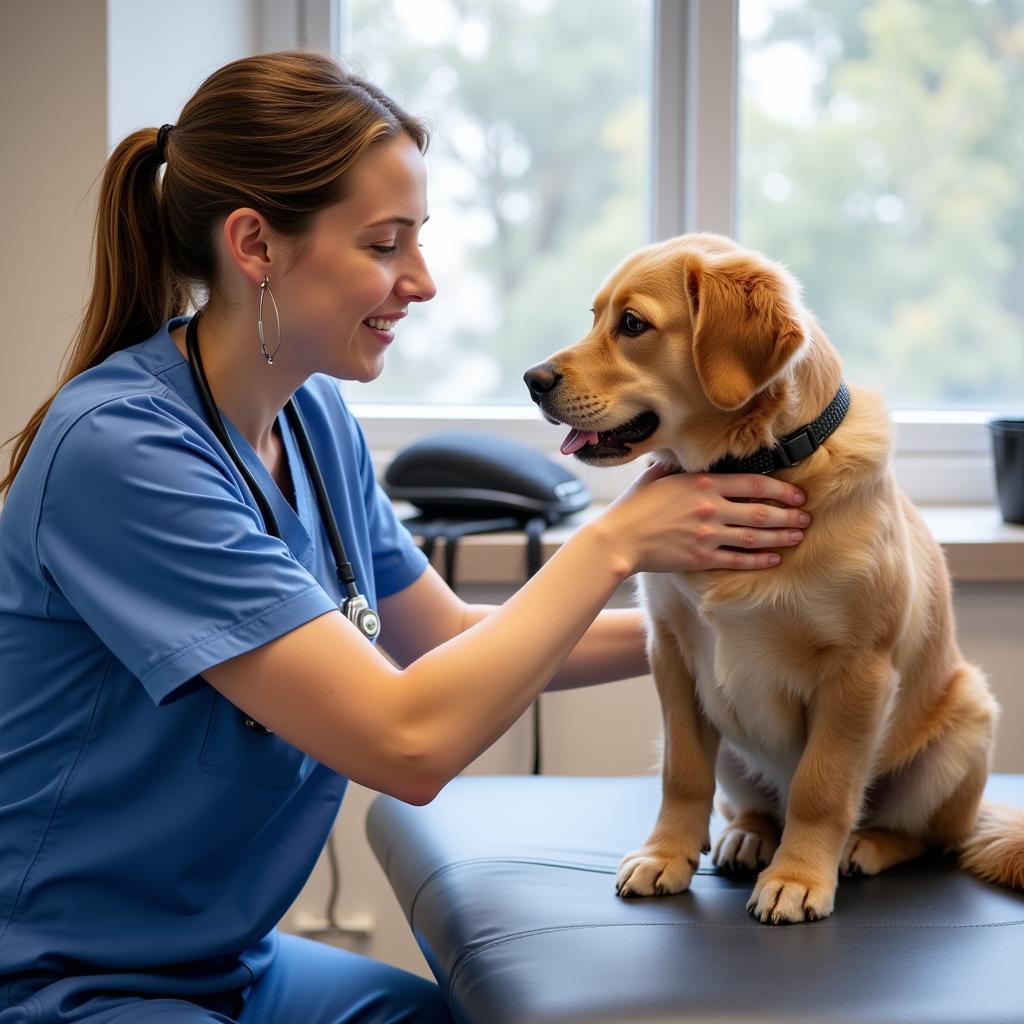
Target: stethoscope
355 607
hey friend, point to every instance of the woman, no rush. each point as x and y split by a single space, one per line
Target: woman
152 833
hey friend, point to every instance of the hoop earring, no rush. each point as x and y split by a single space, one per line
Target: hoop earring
265 289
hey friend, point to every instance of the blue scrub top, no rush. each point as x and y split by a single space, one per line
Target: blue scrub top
149 841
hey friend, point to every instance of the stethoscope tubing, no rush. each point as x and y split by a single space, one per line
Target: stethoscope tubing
346 575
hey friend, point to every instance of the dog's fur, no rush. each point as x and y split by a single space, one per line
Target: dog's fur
828 694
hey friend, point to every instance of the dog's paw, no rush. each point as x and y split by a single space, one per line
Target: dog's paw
784 896
739 849
861 856
654 871
873 850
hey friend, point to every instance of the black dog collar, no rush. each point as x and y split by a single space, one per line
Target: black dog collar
792 448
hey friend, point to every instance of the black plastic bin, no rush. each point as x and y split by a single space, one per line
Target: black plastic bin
1008 453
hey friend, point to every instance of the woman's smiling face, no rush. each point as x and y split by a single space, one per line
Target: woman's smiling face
359 268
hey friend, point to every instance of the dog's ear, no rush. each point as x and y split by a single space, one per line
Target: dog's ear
748 324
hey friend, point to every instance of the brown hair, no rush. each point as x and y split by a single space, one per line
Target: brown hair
278 132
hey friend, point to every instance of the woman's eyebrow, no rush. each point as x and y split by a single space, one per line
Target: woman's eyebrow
407 221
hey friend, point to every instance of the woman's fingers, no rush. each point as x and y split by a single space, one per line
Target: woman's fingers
757 485
723 559
747 537
763 517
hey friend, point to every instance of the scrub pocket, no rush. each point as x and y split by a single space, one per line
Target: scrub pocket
236 751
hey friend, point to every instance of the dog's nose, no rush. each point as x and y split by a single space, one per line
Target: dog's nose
541 379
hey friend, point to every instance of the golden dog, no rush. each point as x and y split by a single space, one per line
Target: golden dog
829 695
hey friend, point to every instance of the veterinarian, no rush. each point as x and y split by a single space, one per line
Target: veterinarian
184 692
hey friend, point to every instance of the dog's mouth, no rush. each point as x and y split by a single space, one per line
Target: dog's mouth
612 443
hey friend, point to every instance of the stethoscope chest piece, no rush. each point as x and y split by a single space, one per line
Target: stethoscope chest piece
358 611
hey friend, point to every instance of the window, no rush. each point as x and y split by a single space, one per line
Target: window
876 147
537 176
881 157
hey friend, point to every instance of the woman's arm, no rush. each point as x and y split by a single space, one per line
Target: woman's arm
417 618
325 689
428 612
614 647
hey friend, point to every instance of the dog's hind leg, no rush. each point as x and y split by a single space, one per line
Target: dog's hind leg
934 799
667 861
748 843
751 838
871 850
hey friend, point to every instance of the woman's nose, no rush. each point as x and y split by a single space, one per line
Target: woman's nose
417 286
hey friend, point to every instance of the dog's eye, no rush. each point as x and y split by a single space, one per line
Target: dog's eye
632 325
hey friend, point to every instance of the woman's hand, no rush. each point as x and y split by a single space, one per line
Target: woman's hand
670 521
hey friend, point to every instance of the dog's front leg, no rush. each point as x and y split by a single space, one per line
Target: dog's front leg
845 719
667 861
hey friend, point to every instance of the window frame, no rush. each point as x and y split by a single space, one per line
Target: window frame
941 456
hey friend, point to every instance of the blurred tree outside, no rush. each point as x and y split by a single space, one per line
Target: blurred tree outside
881 158
537 174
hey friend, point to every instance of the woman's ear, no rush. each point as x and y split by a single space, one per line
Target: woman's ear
748 324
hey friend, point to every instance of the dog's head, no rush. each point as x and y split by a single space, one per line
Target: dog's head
686 333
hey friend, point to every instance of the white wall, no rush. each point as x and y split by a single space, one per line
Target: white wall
53 122
159 53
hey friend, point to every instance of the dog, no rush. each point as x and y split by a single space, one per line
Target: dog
828 694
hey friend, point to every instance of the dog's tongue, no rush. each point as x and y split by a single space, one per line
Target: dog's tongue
576 439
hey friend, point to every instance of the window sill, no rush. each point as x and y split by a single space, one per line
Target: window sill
979 546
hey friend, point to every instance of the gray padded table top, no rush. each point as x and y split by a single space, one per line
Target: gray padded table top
508 884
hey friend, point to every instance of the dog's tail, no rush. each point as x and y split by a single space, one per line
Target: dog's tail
995 848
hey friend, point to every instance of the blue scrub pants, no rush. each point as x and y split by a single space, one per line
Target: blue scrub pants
306 983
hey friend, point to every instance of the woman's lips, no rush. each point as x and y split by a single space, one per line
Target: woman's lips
383 326
385 336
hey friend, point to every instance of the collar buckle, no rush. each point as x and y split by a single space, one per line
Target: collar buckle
796 447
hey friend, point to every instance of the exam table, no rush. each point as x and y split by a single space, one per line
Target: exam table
508 883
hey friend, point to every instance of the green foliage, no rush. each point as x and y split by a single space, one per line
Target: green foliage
904 216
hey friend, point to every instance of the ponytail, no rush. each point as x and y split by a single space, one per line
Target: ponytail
132 292
278 132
